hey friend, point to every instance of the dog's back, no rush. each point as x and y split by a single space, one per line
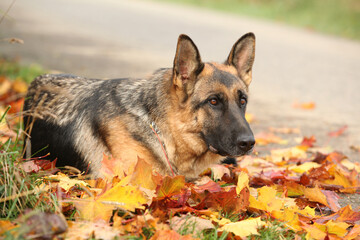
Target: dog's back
55 109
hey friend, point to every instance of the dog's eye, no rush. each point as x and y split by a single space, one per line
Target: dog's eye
243 101
214 101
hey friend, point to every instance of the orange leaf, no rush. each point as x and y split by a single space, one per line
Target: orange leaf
305 105
308 142
314 232
169 235
171 186
5 85
110 167
325 197
346 214
354 233
19 86
142 175
92 210
6 225
315 195
338 132
265 138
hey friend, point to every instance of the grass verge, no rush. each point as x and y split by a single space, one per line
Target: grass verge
336 17
18 188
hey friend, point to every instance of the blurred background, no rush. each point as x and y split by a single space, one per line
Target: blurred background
306 76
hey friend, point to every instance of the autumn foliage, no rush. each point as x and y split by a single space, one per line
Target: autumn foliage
294 188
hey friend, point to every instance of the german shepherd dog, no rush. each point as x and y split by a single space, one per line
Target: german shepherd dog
180 119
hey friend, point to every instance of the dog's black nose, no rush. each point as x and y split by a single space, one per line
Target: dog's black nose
246 143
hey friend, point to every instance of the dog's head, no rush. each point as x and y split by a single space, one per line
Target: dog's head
217 95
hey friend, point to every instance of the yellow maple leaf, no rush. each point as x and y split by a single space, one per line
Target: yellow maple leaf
313 232
93 210
289 217
337 228
243 181
341 180
305 167
266 200
278 155
350 165
267 195
65 182
127 197
244 228
315 195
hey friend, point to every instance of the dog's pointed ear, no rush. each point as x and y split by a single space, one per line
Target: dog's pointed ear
242 57
187 63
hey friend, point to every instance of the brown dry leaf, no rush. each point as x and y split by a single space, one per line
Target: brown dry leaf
196 223
90 230
244 228
219 171
41 225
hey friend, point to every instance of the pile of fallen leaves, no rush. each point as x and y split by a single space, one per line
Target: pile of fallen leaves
290 193
287 186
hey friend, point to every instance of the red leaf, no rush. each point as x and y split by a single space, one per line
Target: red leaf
332 199
210 186
308 142
338 132
345 214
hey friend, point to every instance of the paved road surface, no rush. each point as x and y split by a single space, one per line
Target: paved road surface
113 38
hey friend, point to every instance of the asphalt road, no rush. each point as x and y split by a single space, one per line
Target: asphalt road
113 38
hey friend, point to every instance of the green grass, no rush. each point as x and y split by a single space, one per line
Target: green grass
336 17
17 188
13 70
276 230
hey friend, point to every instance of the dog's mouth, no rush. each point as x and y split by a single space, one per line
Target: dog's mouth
212 149
225 154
